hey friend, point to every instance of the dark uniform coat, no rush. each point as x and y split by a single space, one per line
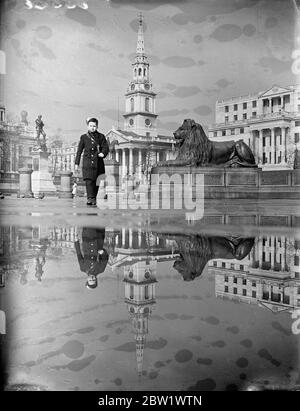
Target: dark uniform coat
90 261
91 144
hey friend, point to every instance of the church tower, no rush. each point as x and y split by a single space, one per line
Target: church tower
140 116
139 279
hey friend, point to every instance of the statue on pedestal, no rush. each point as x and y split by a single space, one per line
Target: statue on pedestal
195 149
39 126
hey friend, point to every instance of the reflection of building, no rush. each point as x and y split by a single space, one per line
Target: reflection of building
269 276
138 253
16 143
269 122
139 145
139 279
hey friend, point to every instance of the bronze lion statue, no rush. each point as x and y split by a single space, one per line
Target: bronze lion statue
195 149
196 250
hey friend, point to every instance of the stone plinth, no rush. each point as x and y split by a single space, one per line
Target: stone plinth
65 190
25 182
112 172
226 183
42 181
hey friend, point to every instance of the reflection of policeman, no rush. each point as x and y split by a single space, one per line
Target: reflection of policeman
95 257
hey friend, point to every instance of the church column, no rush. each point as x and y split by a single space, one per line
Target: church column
130 161
140 162
123 162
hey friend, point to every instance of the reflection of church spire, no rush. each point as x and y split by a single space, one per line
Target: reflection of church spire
140 282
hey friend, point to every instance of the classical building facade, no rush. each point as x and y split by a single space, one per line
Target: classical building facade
268 121
138 145
16 143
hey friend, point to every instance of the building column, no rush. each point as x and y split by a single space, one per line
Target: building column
260 147
123 237
130 237
284 145
130 161
272 146
123 162
140 162
157 156
117 155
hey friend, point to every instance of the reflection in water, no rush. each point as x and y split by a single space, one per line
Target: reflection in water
197 250
263 271
93 257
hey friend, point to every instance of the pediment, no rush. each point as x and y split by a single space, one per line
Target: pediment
275 90
113 135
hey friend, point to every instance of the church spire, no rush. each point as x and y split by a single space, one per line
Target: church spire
140 47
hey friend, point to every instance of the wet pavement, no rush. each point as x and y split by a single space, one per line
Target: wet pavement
172 304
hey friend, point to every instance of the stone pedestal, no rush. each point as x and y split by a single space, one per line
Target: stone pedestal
42 181
112 172
25 182
65 190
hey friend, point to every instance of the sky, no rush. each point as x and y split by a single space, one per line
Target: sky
71 64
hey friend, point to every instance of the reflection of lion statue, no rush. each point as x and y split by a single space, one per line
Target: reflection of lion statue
195 149
196 250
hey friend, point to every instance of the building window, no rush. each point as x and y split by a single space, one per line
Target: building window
296 137
235 280
264 141
215 264
253 283
244 281
245 116
147 122
226 289
264 158
297 275
223 265
226 278
144 72
140 71
235 117
147 103
223 132
131 121
241 267
226 119
242 130
235 291
254 103
226 109
132 104
232 131
215 133
297 123
296 260
147 292
254 294
244 106
244 292
131 292
235 107
254 114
